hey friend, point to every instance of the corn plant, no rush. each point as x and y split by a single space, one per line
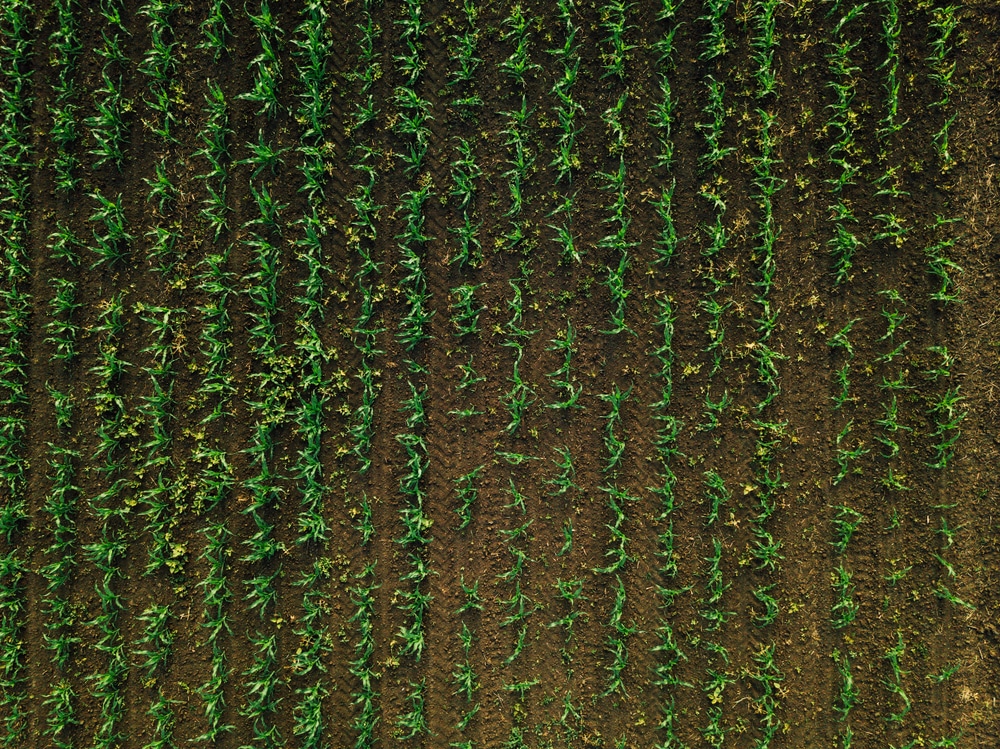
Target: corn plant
845 457
261 682
265 67
845 523
159 64
613 441
567 108
619 539
845 242
895 686
465 46
769 677
945 673
891 29
941 268
215 151
363 597
715 42
714 687
466 315
108 126
518 65
848 694
614 23
61 704
845 607
465 173
948 416
464 677
111 240
617 642
66 48
468 493
562 377
943 23
157 638
215 29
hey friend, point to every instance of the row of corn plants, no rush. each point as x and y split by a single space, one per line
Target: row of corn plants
946 410
215 479
465 318
615 24
360 238
159 65
615 49
521 159
568 111
667 652
111 510
313 48
263 237
765 675
361 233
712 162
65 132
520 607
413 125
844 154
108 127
16 97
61 506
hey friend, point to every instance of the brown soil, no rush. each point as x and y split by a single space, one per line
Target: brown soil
941 529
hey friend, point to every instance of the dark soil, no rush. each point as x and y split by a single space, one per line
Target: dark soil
940 529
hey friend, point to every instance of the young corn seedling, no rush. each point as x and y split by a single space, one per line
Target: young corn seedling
108 126
613 21
617 643
467 311
112 241
715 42
712 130
893 656
567 473
562 377
61 704
848 695
714 410
518 65
465 44
845 457
717 495
845 522
945 673
215 29
265 67
619 539
158 638
845 608
62 328
614 443
948 416
570 591
943 24
468 493
469 376
66 47
941 591
465 172
214 137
